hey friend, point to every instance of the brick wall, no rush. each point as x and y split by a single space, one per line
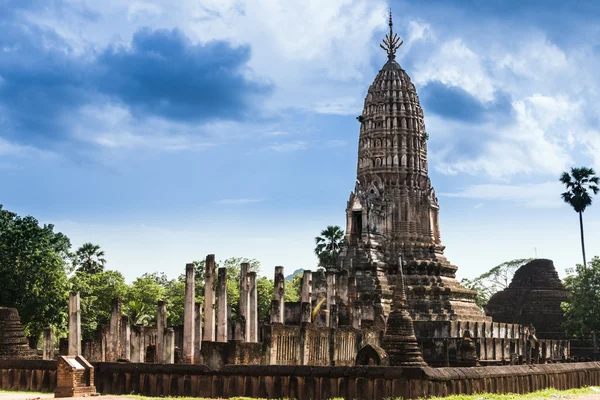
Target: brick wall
306 382
28 375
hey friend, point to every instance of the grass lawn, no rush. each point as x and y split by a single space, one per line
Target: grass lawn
542 394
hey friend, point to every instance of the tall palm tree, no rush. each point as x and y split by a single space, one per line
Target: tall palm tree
580 182
90 258
329 246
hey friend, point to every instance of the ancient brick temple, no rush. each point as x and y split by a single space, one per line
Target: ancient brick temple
393 212
533 297
13 343
393 299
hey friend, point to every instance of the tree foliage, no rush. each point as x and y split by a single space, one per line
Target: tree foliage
328 246
582 310
33 268
264 294
494 280
142 297
89 258
35 261
97 291
293 288
580 183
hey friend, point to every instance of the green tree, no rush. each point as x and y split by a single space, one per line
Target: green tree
97 291
579 183
494 280
138 312
264 296
293 288
89 258
175 298
328 246
144 293
33 271
142 297
582 309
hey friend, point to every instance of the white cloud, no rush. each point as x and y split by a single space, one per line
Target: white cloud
454 64
8 148
552 92
541 195
139 10
309 49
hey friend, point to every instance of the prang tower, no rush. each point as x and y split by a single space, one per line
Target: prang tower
393 212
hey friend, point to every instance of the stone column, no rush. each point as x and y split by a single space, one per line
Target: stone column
125 338
306 297
222 308
278 297
342 287
48 344
209 299
306 291
244 302
198 331
350 308
189 320
330 294
161 326
114 336
252 308
74 325
169 346
333 316
306 312
356 315
138 349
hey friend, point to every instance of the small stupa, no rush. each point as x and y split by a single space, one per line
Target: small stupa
399 340
13 343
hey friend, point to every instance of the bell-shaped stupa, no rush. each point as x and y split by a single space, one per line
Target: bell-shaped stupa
13 343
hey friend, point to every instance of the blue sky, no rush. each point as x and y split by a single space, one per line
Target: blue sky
166 131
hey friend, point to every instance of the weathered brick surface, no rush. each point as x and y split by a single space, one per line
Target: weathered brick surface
533 297
13 343
304 382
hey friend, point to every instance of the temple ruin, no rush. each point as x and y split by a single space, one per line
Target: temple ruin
13 343
533 298
392 300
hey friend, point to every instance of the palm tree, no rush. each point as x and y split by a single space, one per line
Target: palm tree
137 312
90 258
580 182
329 246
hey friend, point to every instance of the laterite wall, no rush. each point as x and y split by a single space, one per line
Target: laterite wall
28 375
305 382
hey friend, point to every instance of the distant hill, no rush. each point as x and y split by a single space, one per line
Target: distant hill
293 274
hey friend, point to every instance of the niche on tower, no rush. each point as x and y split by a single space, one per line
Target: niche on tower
357 221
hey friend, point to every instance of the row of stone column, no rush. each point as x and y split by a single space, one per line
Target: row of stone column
122 343
217 315
347 294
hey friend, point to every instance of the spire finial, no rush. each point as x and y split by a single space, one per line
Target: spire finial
390 43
